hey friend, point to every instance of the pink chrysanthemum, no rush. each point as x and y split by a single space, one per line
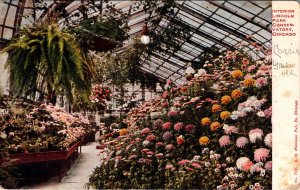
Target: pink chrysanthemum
159 155
230 129
133 156
268 165
251 68
167 126
151 137
170 147
165 94
190 128
268 112
261 154
261 81
158 123
159 144
169 166
224 140
167 135
172 113
268 140
255 134
183 162
178 126
196 165
146 131
241 142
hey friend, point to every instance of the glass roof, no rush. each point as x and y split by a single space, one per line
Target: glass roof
221 24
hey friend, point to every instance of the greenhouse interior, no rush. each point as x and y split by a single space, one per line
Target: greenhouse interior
135 94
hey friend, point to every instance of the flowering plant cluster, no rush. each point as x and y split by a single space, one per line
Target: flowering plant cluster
214 132
100 95
45 128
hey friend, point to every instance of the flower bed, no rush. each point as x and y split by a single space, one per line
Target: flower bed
212 133
45 128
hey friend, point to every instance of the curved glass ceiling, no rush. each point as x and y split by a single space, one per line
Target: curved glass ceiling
221 24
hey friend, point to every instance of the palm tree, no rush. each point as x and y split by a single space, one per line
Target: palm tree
47 59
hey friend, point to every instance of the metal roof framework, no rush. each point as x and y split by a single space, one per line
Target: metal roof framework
225 25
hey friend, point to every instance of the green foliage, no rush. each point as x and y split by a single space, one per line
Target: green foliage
47 59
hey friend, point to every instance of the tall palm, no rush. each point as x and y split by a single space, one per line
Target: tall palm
45 58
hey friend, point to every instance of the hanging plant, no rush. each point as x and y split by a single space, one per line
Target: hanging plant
99 34
47 59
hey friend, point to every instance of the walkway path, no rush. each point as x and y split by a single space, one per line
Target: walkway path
78 175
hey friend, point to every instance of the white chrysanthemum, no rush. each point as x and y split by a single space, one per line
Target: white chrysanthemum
268 140
260 114
146 143
256 167
255 134
201 72
241 162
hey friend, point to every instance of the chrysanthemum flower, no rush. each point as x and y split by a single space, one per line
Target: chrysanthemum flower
268 112
268 140
169 166
204 140
246 167
183 162
151 137
224 114
230 129
167 135
224 140
261 81
146 143
249 82
215 126
196 165
226 99
261 154
190 128
170 147
205 121
268 165
166 126
237 74
178 126
165 94
235 94
241 162
123 132
158 123
172 113
241 142
180 140
215 108
146 131
255 134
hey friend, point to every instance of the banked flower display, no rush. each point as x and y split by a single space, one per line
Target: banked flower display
45 128
213 132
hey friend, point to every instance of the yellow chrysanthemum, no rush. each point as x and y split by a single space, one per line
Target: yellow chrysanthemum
215 126
205 121
225 114
236 74
204 140
123 132
216 108
226 99
249 82
235 94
